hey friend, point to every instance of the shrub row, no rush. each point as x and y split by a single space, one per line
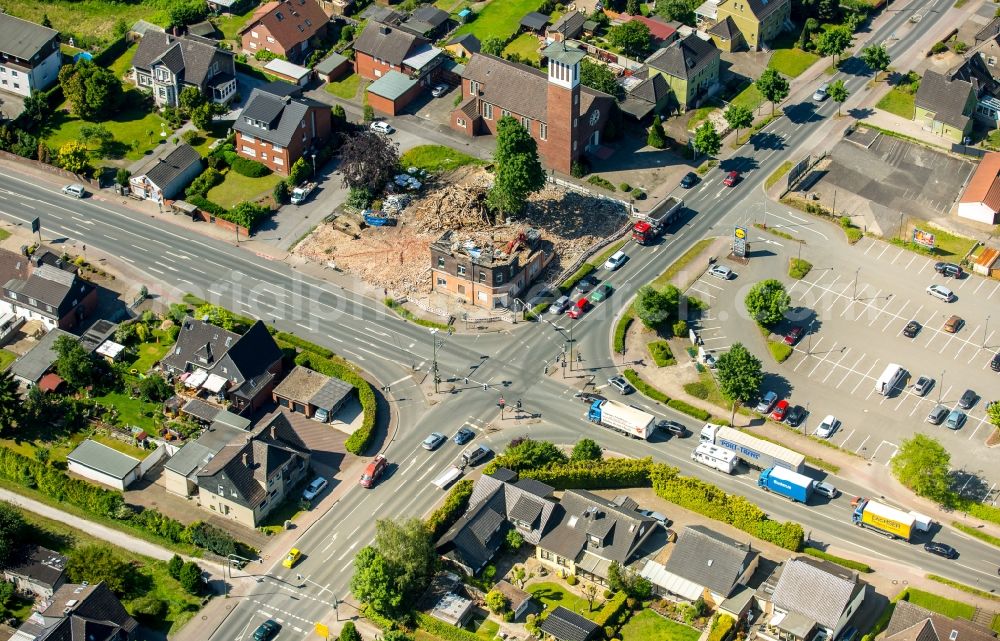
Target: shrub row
451 510
660 351
362 437
621 328
675 403
208 206
600 475
408 315
249 168
708 500
613 611
302 343
722 627
442 630
600 181
571 282
839 560
690 410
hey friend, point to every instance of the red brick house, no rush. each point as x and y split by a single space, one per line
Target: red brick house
277 130
382 48
564 117
284 27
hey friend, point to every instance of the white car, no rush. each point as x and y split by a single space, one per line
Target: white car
75 190
821 93
827 427
617 260
439 90
317 486
721 271
941 292
656 516
380 127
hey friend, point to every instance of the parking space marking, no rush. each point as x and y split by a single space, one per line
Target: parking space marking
862 446
982 281
892 317
703 281
796 368
910 263
964 281
901 252
994 290
883 251
866 376
850 371
843 354
844 442
825 356
947 343
966 343
870 245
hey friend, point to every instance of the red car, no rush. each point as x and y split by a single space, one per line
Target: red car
374 471
732 178
793 335
578 308
778 414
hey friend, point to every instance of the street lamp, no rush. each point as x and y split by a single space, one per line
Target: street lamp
985 327
570 341
856 273
434 361
941 386
313 155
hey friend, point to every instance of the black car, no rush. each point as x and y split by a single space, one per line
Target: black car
586 284
950 270
689 180
795 416
589 398
941 549
912 329
673 428
968 399
266 630
995 363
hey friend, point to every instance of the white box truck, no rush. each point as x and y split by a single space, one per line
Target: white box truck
755 452
715 457
890 378
626 419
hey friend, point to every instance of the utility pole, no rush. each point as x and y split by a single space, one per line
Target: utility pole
856 273
986 327
434 360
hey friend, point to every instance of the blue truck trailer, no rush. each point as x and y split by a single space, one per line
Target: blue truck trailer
792 485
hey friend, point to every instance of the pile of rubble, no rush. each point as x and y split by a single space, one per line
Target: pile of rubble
397 258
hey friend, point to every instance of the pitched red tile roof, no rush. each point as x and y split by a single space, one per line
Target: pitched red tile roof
658 29
985 184
300 20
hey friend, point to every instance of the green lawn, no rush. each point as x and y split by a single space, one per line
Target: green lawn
699 116
203 142
4 234
941 605
131 127
95 18
123 63
6 358
121 446
345 88
131 411
897 102
485 629
750 97
678 265
650 625
149 354
792 62
526 46
436 158
236 188
499 18
230 25
553 595
946 246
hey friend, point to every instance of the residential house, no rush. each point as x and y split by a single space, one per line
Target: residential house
726 35
165 177
759 21
806 595
33 365
661 32
564 117
565 625
316 395
35 569
254 473
704 564
911 622
463 46
383 15
106 465
982 71
180 472
454 609
592 534
428 21
230 7
488 277
165 64
277 130
569 26
981 199
51 293
691 68
79 613
646 96
519 599
30 57
284 27
499 504
239 369
944 107
382 48
334 8
534 22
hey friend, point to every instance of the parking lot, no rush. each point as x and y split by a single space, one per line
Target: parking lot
854 305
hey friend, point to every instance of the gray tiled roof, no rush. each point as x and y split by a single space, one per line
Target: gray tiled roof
49 286
989 32
710 559
22 39
330 63
584 515
763 8
37 563
430 14
684 58
946 98
468 40
819 591
100 457
535 487
911 622
725 29
198 343
80 613
163 171
378 13
566 625
283 116
570 24
190 57
307 386
40 358
535 21
388 43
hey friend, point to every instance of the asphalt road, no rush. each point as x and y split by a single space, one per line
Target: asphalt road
508 363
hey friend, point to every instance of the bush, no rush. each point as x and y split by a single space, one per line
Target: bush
149 609
607 593
939 47
660 351
621 328
205 181
779 350
612 612
579 168
280 193
798 268
444 631
839 560
174 566
722 627
571 579
624 187
451 510
360 197
361 438
689 409
680 329
594 475
190 578
698 389
601 182
212 538
638 194
249 168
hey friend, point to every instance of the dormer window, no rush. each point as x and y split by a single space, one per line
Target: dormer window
279 17
309 22
595 541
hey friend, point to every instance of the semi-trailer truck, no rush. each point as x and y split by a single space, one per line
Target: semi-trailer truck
883 518
792 485
753 451
715 457
652 224
626 419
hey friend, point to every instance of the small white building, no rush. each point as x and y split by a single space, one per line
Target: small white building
103 464
287 71
165 177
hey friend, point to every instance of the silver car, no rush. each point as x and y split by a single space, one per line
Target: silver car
820 94
941 292
826 490
75 190
317 486
433 441
766 402
721 272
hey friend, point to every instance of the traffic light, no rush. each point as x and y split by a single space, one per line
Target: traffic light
518 403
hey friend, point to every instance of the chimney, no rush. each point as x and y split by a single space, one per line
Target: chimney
245 460
287 100
384 30
208 350
274 432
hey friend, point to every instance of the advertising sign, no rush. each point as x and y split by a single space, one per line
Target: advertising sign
921 237
740 242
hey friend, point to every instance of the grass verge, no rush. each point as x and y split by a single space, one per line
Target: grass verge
660 351
839 560
436 158
947 246
792 62
644 387
941 605
798 268
982 594
621 328
778 174
408 315
571 282
776 232
976 532
345 88
779 351
678 265
898 102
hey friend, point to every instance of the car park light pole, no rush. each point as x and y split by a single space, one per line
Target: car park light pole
856 274
986 327
941 387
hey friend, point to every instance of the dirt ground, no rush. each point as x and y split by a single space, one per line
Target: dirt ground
397 258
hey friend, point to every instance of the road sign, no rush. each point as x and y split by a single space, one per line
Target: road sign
36 224
740 242
323 630
501 402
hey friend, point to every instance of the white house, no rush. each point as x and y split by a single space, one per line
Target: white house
29 56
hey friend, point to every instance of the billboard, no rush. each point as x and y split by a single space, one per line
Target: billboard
740 242
921 237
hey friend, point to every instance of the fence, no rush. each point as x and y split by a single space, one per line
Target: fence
147 463
57 171
206 217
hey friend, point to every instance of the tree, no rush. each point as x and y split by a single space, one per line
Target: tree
74 157
826 10
632 8
993 414
922 464
621 579
834 41
493 46
216 315
248 214
174 566
679 10
519 575
299 172
631 37
773 86
876 57
122 176
94 92
190 578
339 114
590 592
202 115
368 160
368 112
90 134
497 601
738 117
188 13
36 111
514 540
838 93
586 450
528 454
739 374
407 546
518 171
349 632
190 99
12 531
706 139
767 302
280 193
155 389
600 77
74 364
10 400
100 563
651 306
376 582
657 138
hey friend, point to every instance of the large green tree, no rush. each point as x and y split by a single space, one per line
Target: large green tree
12 531
74 364
100 563
598 76
376 582
657 137
922 464
773 86
529 454
518 171
10 401
738 117
706 139
392 572
74 157
876 57
740 374
94 92
190 99
586 450
493 46
834 41
838 93
631 37
679 10
651 306
767 301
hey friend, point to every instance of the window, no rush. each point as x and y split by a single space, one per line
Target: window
263 156
13 296
526 123
378 73
574 145
277 148
473 87
576 99
482 278
461 289
461 272
253 34
991 61
545 554
309 22
13 73
574 122
222 491
277 161
498 278
487 111
250 151
440 262
460 122
253 45
279 17
17 86
4 81
441 281
270 40
504 112
248 138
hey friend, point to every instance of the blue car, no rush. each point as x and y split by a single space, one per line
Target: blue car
463 436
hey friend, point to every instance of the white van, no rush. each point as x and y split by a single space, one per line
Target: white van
890 378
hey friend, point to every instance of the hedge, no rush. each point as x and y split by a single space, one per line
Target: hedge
249 168
660 351
690 410
779 350
839 560
633 377
621 328
612 611
444 631
571 282
722 627
208 206
110 53
600 475
362 437
798 268
451 510
301 343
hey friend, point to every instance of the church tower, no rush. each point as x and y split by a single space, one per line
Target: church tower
562 144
